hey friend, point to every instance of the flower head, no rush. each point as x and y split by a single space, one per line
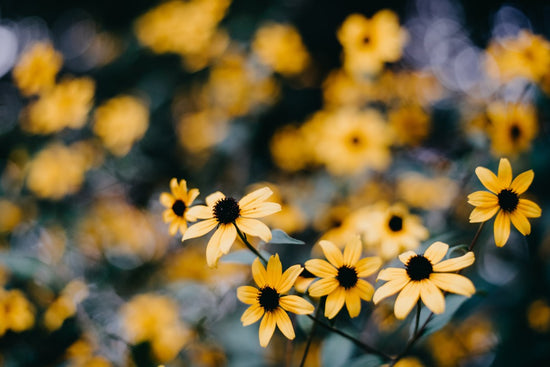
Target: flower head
424 276
267 300
227 214
341 277
177 204
504 199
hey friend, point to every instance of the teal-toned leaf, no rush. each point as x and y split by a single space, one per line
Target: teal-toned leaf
29 267
279 237
366 361
452 304
336 351
458 250
242 257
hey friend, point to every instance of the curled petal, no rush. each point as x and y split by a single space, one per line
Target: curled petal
502 228
522 182
436 252
332 253
456 263
296 304
321 268
489 180
504 172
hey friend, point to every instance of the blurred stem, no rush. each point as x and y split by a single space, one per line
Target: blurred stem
250 247
474 240
310 337
417 321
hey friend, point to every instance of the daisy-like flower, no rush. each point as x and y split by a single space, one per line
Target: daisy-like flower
226 214
267 300
177 204
341 277
424 276
505 200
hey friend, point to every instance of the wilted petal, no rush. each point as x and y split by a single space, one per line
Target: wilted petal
432 296
321 268
488 179
453 283
406 299
502 228
522 182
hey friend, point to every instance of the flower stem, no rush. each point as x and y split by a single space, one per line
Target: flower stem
474 240
310 337
417 321
250 247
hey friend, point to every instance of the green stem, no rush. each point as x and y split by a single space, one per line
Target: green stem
250 247
474 240
310 337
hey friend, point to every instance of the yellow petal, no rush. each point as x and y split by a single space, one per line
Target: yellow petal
173 229
288 279
391 273
267 328
183 188
482 214
284 323
274 270
453 283
482 198
332 253
321 268
200 229
504 172
502 228
390 288
406 299
214 198
261 210
247 294
254 227
488 179
323 287
255 197
520 222
166 200
522 182
367 266
252 314
404 257
364 289
432 296
529 208
335 302
436 252
296 305
353 302
227 237
174 187
200 211
191 196
213 252
456 263
352 251
258 273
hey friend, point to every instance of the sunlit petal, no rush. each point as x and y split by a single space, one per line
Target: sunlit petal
227 237
505 172
522 182
321 268
199 229
406 299
352 251
274 270
213 248
332 253
254 227
432 296
364 289
200 211
456 263
254 197
367 266
404 257
214 198
391 274
436 252
502 228
453 283
261 210
488 179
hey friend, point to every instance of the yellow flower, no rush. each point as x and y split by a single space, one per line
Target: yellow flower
505 199
341 277
16 312
36 69
424 276
226 214
177 204
410 125
267 300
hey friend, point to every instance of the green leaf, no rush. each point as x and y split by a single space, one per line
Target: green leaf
242 257
366 361
279 237
452 304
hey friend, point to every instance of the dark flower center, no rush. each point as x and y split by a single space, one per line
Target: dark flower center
395 223
179 208
269 299
418 268
226 210
515 132
347 276
508 200
365 40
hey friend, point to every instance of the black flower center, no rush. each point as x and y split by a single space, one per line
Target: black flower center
365 40
179 208
508 200
347 276
515 132
418 268
269 299
395 223
226 210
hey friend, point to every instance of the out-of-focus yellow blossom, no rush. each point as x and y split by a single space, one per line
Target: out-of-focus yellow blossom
16 312
36 69
410 125
163 30
342 89
177 203
116 228
280 47
426 193
204 355
82 354
414 87
288 149
353 140
331 219
369 43
65 305
58 170
527 56
66 105
200 131
538 316
10 215
155 319
120 122
512 128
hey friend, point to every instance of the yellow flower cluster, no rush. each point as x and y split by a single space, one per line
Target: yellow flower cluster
16 312
37 68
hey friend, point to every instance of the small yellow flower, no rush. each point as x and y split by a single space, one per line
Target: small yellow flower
35 71
341 277
424 276
177 204
226 214
267 300
505 200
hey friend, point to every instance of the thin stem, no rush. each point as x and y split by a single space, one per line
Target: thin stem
360 344
417 321
310 337
474 240
250 247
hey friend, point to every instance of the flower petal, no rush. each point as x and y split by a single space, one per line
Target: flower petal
522 182
322 287
284 323
406 299
391 274
167 200
174 187
364 289
389 289
267 328
504 172
352 251
274 270
288 278
520 222
482 214
254 197
254 227
214 198
261 210
321 268
432 296
252 314
213 253
335 302
199 229
502 228
489 180
404 257
456 263
247 294
529 208
367 266
483 198
227 237
436 252
200 211
332 253
191 196
296 304
353 302
454 283
259 273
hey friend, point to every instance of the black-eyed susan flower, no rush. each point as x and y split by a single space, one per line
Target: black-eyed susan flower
341 277
267 300
226 214
504 199
423 277
177 204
